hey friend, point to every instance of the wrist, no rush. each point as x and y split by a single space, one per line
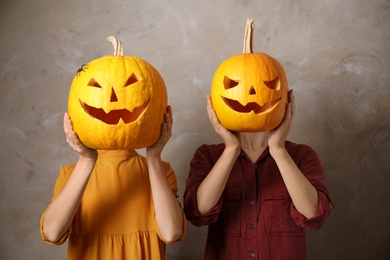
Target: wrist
88 159
87 162
277 150
88 154
153 156
234 150
85 165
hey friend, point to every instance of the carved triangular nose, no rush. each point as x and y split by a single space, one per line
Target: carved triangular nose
252 91
113 98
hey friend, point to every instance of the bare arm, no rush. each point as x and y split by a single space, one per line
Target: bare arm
210 190
168 210
61 211
302 192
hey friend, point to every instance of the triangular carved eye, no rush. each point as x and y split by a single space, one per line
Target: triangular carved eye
131 80
229 83
93 83
273 84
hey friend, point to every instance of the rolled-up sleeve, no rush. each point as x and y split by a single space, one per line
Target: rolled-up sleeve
310 165
316 222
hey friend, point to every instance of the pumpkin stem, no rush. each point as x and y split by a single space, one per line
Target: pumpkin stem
248 38
118 47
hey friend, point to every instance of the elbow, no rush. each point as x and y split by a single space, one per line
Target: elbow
203 209
310 215
173 236
310 212
51 235
310 209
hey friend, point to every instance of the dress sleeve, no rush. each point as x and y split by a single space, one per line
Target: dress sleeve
311 167
201 164
62 179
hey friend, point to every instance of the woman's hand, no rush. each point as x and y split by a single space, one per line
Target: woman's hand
230 139
74 141
166 133
278 136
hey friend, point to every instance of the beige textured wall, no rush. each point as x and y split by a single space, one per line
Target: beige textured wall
336 55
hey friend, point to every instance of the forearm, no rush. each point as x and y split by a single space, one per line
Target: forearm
210 190
168 210
61 211
302 192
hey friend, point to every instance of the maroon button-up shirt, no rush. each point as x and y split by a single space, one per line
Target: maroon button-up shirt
255 217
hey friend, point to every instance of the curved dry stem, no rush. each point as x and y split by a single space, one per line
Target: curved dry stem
248 37
118 47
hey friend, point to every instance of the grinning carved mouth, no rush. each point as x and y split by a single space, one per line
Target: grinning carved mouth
251 106
113 117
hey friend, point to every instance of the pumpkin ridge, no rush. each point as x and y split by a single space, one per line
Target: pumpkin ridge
261 59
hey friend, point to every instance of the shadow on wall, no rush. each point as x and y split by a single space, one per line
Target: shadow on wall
356 157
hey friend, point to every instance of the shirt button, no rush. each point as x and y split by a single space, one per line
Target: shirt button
253 255
252 202
252 226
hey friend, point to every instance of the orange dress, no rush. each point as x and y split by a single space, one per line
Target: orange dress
116 218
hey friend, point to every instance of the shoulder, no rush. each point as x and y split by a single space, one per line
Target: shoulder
301 151
291 146
167 167
208 152
62 179
66 170
211 148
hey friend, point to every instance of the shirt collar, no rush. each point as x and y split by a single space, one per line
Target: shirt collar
263 155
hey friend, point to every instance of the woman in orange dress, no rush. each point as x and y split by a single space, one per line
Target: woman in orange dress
115 204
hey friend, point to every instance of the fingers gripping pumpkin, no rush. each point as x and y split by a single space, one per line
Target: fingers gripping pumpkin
249 91
117 102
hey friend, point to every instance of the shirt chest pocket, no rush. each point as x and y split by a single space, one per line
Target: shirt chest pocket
276 204
229 220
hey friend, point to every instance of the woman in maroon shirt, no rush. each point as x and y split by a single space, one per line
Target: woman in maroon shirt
257 193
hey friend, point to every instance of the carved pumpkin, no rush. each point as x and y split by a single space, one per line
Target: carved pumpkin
117 102
249 91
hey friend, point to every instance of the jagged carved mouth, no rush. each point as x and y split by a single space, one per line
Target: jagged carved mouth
113 117
251 106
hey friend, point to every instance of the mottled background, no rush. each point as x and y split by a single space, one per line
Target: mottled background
336 55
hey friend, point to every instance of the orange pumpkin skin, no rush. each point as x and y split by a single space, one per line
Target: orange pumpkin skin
117 103
249 93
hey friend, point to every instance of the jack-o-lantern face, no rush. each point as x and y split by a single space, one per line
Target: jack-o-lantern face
249 92
117 103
